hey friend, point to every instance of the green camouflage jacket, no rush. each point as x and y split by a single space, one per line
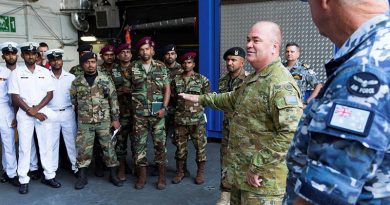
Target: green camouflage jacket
186 112
96 103
77 70
174 71
147 87
226 84
120 77
267 109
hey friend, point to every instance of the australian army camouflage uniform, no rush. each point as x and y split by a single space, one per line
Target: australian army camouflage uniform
266 111
96 106
189 121
227 84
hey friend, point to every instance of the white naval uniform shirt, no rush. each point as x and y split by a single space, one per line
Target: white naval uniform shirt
31 87
4 81
61 95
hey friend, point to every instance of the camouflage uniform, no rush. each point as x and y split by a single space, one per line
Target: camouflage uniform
147 88
189 116
169 118
306 78
121 81
174 71
266 109
332 158
96 106
77 70
227 84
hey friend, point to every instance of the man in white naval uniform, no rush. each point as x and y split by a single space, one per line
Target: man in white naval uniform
32 88
7 117
62 106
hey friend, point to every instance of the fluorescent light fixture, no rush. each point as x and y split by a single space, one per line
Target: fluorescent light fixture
88 38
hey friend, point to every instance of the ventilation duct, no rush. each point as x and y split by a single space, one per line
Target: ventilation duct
190 21
78 10
79 22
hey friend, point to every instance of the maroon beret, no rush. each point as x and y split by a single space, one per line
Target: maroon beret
143 41
122 47
107 48
188 56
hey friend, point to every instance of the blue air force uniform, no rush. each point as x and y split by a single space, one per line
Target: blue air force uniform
340 154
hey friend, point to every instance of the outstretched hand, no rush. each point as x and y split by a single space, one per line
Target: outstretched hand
192 98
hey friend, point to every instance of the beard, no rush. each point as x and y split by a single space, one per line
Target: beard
11 62
145 57
169 61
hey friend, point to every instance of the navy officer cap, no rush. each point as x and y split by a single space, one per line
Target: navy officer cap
170 47
235 51
87 56
54 53
9 47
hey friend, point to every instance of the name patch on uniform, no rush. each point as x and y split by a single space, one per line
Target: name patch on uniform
291 100
24 77
3 79
363 84
41 77
350 119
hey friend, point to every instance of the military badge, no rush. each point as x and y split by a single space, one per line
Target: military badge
236 52
363 84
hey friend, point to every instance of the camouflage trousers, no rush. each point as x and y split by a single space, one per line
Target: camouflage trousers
86 134
122 136
169 123
197 133
142 126
241 197
224 159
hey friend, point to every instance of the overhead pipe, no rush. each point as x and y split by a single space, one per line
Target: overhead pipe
165 24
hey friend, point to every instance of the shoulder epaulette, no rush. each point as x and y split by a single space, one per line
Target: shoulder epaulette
307 66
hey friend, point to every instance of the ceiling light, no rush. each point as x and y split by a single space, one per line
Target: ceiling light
88 38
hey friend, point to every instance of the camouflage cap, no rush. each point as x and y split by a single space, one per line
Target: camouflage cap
87 56
188 56
9 47
235 51
122 47
143 41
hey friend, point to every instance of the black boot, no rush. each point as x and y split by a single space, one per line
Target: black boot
114 178
14 181
23 188
81 179
99 166
4 178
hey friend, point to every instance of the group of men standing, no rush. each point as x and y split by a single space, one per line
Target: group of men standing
88 104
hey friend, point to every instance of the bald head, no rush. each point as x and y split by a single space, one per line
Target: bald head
338 19
263 44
